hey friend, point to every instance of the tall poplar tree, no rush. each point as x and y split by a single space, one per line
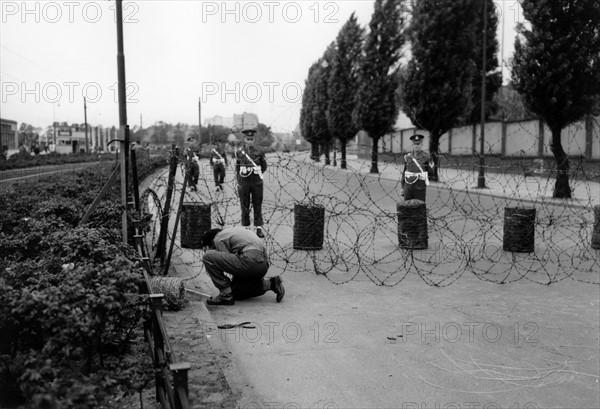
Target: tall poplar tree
377 106
556 68
437 90
307 117
313 120
322 100
343 84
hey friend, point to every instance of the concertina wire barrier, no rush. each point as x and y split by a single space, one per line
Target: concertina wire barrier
465 230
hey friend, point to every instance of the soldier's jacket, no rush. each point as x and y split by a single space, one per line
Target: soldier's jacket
250 164
218 156
410 166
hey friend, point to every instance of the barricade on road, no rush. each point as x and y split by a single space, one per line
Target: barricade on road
412 225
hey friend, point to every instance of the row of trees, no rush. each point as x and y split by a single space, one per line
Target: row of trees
353 85
361 81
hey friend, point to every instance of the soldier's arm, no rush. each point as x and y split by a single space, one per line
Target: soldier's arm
222 245
402 176
236 157
237 164
263 162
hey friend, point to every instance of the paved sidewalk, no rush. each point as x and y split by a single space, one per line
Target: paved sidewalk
472 344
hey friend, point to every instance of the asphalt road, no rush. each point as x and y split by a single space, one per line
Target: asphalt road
423 329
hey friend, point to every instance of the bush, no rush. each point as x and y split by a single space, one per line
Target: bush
70 299
64 332
25 159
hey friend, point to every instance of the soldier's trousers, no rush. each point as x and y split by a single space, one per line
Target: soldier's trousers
194 173
247 271
251 193
219 174
415 190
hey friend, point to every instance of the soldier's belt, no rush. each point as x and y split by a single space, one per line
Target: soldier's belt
418 175
247 170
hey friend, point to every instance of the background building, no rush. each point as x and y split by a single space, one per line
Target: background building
71 138
238 123
244 121
226 122
9 137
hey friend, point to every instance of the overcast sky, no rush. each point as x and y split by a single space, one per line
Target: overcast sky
232 56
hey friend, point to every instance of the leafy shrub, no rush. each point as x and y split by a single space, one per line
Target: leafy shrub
64 332
26 160
24 239
62 208
70 302
83 244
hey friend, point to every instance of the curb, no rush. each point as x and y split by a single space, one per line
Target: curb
236 382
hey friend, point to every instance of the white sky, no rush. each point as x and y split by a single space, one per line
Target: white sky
234 56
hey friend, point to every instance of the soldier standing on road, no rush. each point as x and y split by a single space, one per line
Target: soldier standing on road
415 176
249 168
218 161
192 167
238 252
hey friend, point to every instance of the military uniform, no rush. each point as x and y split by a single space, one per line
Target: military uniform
218 161
415 176
193 168
249 168
239 253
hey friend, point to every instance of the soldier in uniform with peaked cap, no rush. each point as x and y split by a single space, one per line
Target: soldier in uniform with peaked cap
415 176
218 161
249 168
192 164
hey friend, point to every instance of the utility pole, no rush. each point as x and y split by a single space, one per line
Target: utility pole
54 125
124 131
481 176
199 120
87 146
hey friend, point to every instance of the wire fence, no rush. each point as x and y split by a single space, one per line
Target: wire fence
465 229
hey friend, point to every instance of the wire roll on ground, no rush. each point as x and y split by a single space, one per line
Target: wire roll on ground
173 290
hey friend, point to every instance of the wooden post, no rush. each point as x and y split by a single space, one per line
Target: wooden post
177 217
541 139
164 226
474 137
135 181
589 136
503 136
180 383
96 201
158 342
